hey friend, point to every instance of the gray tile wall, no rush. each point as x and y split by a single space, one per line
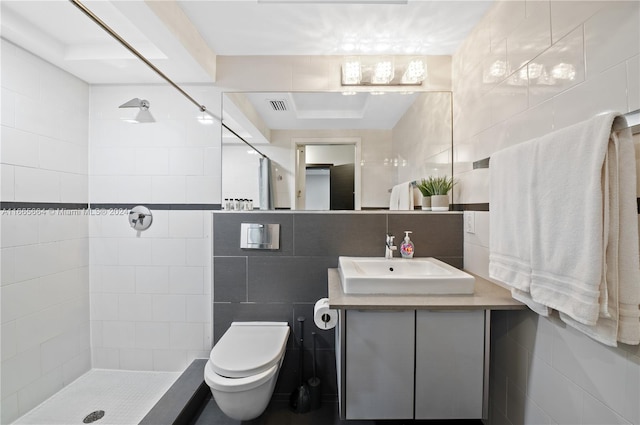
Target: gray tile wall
285 284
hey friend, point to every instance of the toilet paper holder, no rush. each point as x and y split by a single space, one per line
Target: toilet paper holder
324 317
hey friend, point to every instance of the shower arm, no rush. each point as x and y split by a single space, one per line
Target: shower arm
147 62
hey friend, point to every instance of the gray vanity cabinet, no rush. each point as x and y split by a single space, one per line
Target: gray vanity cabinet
379 364
417 364
450 348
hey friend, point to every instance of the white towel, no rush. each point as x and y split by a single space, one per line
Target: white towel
549 215
406 196
394 201
567 249
402 197
510 239
510 236
619 318
629 260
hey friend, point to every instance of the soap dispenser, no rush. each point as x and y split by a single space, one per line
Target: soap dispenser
406 249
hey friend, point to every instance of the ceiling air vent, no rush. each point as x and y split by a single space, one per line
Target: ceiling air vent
278 105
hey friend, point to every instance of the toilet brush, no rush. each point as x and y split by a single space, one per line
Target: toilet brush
315 384
300 401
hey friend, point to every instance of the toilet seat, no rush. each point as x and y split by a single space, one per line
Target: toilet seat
233 385
249 348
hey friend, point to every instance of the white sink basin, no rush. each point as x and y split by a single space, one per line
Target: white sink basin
417 276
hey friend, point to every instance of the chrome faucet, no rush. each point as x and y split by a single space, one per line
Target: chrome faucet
389 247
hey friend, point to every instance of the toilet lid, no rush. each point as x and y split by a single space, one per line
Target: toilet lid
248 348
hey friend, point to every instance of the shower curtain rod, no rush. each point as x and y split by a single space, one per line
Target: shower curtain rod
139 55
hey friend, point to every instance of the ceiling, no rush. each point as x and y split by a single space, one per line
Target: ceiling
305 111
330 28
58 32
313 111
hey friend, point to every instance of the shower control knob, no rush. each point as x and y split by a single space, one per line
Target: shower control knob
140 218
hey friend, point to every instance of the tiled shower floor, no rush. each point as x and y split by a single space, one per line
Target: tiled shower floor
125 397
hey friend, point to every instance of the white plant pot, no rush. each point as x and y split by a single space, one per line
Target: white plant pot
426 203
440 203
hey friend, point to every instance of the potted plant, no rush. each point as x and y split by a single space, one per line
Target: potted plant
440 193
426 189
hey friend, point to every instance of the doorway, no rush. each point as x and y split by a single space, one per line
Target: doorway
329 187
327 174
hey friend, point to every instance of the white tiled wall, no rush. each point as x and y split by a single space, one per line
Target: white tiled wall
45 254
176 159
492 111
151 294
44 130
543 372
422 138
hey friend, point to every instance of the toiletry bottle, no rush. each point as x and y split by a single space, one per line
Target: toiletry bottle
406 249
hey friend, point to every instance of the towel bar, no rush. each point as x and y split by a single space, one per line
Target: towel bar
633 121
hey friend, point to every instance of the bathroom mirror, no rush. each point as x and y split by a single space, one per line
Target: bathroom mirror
333 151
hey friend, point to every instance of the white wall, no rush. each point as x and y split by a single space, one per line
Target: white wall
317 183
542 371
45 255
422 139
241 170
151 295
330 154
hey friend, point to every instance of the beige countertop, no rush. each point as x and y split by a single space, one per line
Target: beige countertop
487 296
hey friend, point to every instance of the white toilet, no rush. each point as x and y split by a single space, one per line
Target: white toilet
243 367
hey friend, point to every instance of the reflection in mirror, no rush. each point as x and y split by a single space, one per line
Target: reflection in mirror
334 151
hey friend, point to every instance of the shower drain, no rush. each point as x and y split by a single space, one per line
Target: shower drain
93 416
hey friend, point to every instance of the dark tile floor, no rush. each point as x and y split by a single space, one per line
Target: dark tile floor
278 413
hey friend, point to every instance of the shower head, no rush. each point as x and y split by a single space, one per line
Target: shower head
143 115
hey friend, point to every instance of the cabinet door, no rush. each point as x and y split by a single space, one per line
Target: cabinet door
379 364
449 364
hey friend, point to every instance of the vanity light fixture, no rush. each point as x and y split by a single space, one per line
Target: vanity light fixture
415 73
351 72
143 115
383 71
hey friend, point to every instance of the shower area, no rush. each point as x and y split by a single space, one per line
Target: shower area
100 316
